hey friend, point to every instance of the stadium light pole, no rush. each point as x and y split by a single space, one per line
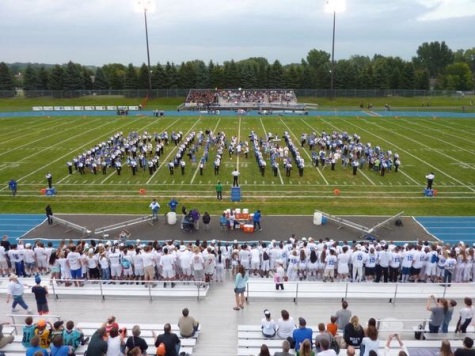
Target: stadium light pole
334 6
147 6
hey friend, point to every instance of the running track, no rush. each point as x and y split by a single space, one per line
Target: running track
448 229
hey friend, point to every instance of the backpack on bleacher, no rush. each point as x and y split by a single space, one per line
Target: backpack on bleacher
161 349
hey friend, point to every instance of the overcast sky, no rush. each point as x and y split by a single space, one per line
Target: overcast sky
97 32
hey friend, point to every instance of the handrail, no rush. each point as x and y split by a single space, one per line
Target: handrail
23 316
96 287
121 225
299 290
85 232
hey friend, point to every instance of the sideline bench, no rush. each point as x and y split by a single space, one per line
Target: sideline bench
451 335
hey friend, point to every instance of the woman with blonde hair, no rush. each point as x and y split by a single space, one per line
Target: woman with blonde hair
305 349
353 332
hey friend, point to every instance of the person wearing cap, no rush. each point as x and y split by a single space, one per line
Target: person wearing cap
41 294
15 292
430 180
57 330
43 333
268 325
301 333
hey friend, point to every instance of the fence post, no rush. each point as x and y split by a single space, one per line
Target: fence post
346 291
296 293
395 294
102 294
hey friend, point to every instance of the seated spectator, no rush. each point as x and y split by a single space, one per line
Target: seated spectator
115 343
285 349
264 351
305 349
332 326
268 325
58 349
350 351
445 348
187 324
170 340
28 331
136 340
302 333
285 325
467 348
43 332
323 334
370 341
326 350
353 332
5 339
35 347
98 344
73 337
111 323
57 330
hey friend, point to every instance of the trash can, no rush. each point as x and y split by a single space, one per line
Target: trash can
317 218
171 218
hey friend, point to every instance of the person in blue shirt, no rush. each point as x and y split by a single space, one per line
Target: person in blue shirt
12 185
301 333
173 203
257 220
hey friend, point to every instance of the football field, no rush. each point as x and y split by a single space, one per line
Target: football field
33 146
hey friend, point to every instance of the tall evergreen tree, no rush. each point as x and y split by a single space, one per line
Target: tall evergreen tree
130 78
276 77
159 80
142 79
55 79
100 80
30 79
42 75
7 81
72 80
171 75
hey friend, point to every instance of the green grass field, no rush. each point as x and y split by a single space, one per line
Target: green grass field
31 147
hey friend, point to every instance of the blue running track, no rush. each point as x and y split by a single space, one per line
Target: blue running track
450 229
16 225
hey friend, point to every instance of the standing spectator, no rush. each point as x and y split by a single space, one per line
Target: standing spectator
41 294
187 324
49 214
15 292
430 180
173 203
12 185
466 316
98 344
343 315
257 220
170 340
467 348
240 287
155 207
49 179
235 175
74 262
302 333
206 220
438 312
448 316
279 275
219 191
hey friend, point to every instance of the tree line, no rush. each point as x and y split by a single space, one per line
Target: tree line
434 66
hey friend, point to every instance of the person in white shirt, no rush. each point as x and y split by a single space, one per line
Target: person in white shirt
210 264
466 316
285 325
167 264
74 262
41 257
357 260
197 264
115 259
418 263
431 263
30 259
406 264
137 262
343 267
148 259
255 260
268 325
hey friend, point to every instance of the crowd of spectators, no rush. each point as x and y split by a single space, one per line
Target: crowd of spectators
344 331
203 98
